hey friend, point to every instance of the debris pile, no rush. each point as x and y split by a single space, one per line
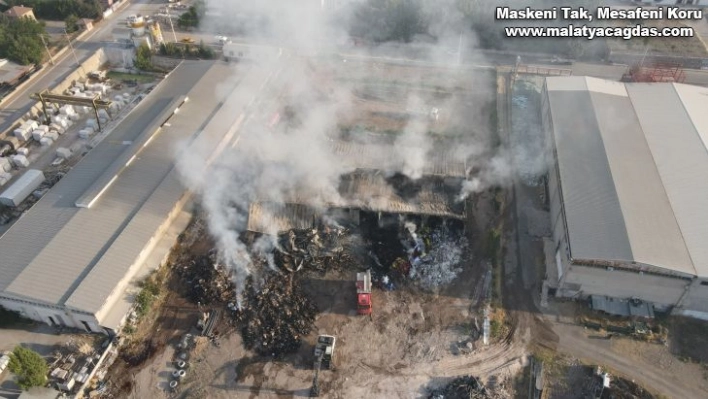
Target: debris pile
276 316
319 249
466 387
208 282
434 256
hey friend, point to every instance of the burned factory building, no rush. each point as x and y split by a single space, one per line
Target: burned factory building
627 189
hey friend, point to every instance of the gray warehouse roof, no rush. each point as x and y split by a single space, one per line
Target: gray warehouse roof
60 254
633 163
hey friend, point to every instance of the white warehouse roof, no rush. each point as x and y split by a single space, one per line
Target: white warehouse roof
633 164
63 255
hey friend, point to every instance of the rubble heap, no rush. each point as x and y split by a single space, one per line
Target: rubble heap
319 249
276 316
434 256
466 387
208 282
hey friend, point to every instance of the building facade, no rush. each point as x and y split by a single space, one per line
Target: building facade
627 175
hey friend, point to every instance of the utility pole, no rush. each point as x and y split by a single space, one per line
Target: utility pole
169 16
49 53
71 46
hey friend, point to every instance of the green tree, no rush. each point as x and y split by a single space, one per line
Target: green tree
143 58
390 20
21 40
205 51
31 369
193 16
71 23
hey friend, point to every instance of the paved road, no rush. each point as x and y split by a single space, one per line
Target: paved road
574 342
18 102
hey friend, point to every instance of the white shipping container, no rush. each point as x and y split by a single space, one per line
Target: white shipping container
46 142
84 133
3 181
43 127
118 98
56 127
92 123
52 135
102 113
22 188
22 151
74 117
20 161
38 134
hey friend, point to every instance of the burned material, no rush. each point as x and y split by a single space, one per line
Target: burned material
466 387
275 317
207 281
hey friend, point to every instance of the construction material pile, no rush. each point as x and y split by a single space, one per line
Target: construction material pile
434 256
466 387
208 282
275 316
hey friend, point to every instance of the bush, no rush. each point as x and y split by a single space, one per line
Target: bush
29 366
71 23
193 16
143 58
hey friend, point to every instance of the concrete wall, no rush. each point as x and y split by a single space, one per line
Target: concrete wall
662 291
42 314
165 62
120 56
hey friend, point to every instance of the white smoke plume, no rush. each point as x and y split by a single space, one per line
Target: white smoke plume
294 160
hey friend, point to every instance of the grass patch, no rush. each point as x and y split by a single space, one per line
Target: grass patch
151 289
121 76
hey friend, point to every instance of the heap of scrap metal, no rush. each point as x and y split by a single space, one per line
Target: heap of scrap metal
208 282
315 249
466 387
275 317
434 256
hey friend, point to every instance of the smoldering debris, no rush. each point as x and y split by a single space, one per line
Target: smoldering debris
207 281
276 316
435 256
466 387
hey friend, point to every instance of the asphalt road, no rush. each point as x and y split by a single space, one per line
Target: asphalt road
18 102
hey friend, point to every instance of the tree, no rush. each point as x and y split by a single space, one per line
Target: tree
194 14
205 51
389 20
29 366
71 23
21 40
143 58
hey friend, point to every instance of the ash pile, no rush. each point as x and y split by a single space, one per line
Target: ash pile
275 316
434 256
466 387
207 280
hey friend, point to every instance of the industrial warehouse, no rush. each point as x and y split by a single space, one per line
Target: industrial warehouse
627 187
70 260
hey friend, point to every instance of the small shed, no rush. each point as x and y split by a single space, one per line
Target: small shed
85 24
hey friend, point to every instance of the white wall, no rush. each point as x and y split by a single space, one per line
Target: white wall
621 284
43 313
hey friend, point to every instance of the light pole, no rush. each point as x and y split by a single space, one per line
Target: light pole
71 46
49 53
169 16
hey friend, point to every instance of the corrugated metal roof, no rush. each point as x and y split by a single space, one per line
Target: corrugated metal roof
634 170
655 239
593 213
49 251
680 155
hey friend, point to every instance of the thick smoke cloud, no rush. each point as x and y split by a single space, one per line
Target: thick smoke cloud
294 161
